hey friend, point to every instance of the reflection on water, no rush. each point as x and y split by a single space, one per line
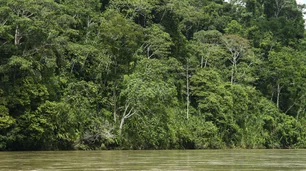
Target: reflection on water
233 160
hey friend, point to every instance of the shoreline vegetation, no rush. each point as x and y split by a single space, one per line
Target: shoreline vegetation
152 74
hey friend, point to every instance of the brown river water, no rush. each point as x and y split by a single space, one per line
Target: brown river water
229 160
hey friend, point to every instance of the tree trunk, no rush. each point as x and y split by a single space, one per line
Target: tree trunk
126 114
202 61
232 77
278 95
115 103
234 67
148 52
17 36
301 110
279 4
272 95
187 90
115 96
121 125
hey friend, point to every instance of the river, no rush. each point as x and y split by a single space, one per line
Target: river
229 160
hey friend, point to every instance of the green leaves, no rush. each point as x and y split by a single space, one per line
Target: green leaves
6 121
135 9
213 98
234 28
20 62
157 43
149 84
109 74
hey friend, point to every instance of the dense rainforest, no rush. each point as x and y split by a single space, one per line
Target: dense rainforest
152 74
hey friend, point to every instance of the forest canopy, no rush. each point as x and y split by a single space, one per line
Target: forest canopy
152 74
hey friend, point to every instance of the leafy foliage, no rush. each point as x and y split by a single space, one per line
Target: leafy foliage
151 74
